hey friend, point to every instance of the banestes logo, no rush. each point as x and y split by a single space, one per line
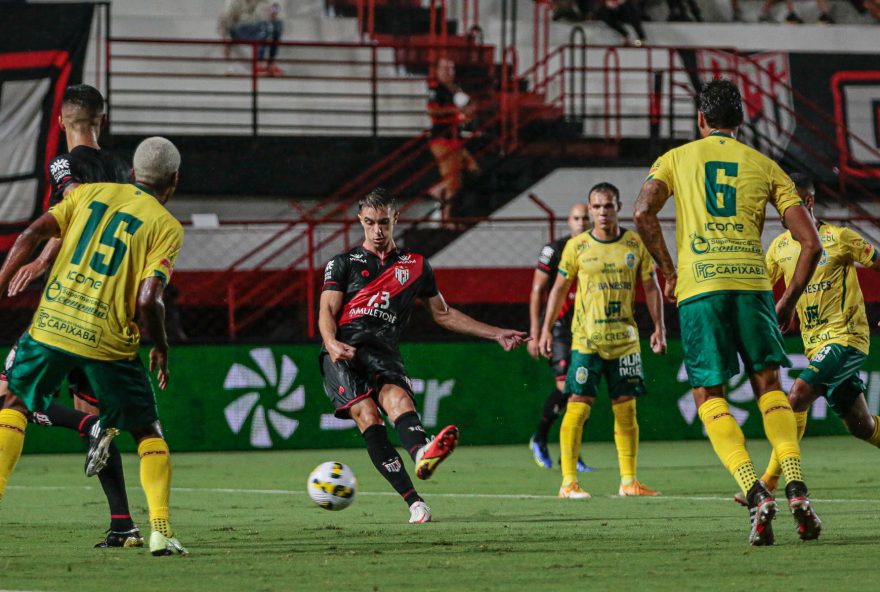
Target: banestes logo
267 395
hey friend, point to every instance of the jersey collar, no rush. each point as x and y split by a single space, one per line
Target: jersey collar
145 189
722 134
607 242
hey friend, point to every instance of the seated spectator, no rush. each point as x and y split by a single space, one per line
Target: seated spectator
255 20
616 13
684 11
792 17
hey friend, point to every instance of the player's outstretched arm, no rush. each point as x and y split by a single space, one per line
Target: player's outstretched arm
328 311
44 227
152 313
539 285
655 307
803 230
650 201
557 295
456 321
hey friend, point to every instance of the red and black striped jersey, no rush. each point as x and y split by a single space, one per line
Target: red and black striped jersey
379 293
548 262
85 164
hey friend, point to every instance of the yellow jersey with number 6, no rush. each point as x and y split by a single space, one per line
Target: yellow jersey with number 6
721 189
113 237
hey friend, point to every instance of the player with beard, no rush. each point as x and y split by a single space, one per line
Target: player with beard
366 301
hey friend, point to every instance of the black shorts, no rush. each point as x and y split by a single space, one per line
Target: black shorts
77 382
348 382
560 351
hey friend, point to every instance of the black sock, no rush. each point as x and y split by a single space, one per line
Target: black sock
554 404
412 434
388 463
113 482
64 417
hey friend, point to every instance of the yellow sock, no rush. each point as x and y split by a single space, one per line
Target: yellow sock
781 429
626 438
774 469
570 434
875 437
156 481
728 441
12 426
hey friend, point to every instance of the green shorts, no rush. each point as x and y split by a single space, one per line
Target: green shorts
836 367
717 327
125 395
623 375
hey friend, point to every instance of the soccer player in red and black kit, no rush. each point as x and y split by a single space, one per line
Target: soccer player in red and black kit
542 280
82 117
365 303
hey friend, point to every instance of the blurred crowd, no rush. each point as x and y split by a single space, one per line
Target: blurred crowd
620 14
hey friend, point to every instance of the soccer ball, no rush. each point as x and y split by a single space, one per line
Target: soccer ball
332 486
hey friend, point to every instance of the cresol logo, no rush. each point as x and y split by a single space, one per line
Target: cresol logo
267 395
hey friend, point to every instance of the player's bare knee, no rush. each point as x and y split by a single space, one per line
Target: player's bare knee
859 420
10 401
581 399
802 395
154 430
765 381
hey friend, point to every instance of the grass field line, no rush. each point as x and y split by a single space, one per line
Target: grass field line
699 498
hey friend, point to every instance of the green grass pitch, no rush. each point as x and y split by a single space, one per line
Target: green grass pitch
249 525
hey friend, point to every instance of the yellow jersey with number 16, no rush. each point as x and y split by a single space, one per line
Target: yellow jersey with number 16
721 189
113 237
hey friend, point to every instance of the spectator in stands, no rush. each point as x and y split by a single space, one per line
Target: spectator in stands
567 10
867 6
684 11
616 13
255 20
737 13
449 108
793 17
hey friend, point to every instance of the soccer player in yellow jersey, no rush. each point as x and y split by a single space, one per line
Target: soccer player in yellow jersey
721 189
118 247
606 261
834 326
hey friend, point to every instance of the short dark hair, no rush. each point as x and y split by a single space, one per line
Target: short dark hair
608 188
803 181
85 97
377 199
721 103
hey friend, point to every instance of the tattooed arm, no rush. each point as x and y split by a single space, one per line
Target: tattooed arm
651 199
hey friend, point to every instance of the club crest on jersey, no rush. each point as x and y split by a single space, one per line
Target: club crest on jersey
581 375
824 258
630 260
402 275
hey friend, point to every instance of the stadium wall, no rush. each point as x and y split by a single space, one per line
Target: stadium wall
271 397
